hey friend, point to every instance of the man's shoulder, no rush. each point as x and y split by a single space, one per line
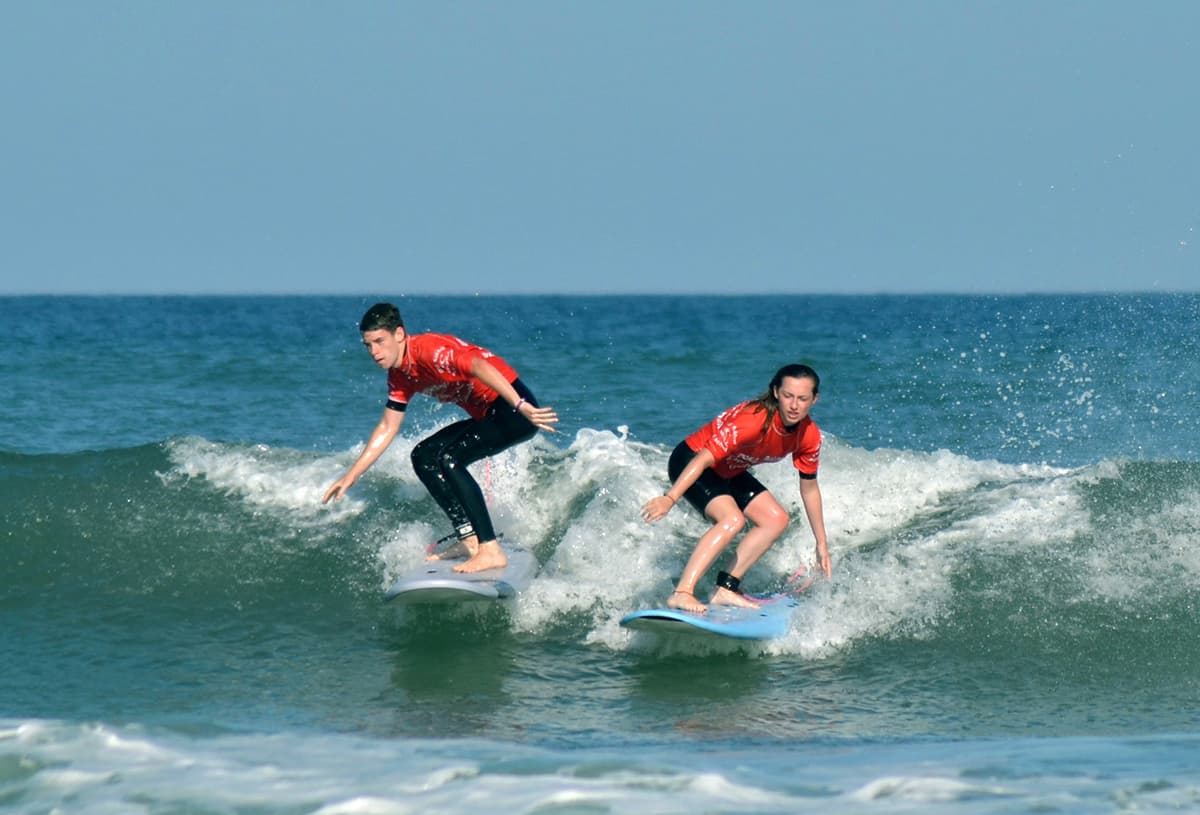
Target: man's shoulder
421 346
431 340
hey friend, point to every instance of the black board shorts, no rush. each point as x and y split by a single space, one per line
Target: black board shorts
743 487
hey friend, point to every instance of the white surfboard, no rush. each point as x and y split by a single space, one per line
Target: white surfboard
436 581
769 621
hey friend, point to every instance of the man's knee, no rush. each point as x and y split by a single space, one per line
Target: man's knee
427 459
419 455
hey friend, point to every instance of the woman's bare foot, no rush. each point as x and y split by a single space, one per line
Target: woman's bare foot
455 551
724 597
488 556
686 601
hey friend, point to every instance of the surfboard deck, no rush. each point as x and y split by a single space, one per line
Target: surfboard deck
437 582
768 621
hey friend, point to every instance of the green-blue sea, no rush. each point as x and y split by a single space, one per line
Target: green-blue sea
1012 495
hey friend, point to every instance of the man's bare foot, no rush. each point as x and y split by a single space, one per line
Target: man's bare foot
488 556
724 597
455 551
686 601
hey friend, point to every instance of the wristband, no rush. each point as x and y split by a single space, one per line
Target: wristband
517 406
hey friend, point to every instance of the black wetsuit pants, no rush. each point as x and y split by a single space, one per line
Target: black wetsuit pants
441 462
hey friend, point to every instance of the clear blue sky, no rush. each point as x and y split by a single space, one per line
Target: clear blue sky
654 146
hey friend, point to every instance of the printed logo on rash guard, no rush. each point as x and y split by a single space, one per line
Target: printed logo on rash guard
443 360
726 435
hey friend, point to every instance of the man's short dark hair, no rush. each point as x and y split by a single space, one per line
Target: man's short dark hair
381 316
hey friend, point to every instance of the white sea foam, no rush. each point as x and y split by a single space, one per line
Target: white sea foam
925 790
65 767
893 565
900 524
265 478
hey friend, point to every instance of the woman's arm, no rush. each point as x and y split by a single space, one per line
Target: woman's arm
656 508
810 496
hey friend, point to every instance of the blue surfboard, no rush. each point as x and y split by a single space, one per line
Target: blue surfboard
769 621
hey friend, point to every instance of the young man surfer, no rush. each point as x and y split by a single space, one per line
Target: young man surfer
711 468
502 411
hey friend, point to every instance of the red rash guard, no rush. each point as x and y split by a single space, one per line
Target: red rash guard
737 442
440 365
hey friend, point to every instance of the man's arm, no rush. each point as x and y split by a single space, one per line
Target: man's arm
381 437
543 418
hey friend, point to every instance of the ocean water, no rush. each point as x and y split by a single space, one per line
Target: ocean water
1012 494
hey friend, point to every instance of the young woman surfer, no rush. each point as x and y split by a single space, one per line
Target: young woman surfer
711 469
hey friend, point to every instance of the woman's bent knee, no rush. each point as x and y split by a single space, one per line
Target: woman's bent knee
732 524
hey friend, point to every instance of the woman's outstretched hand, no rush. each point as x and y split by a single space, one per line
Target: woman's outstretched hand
657 508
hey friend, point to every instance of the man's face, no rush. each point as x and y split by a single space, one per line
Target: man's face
385 347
